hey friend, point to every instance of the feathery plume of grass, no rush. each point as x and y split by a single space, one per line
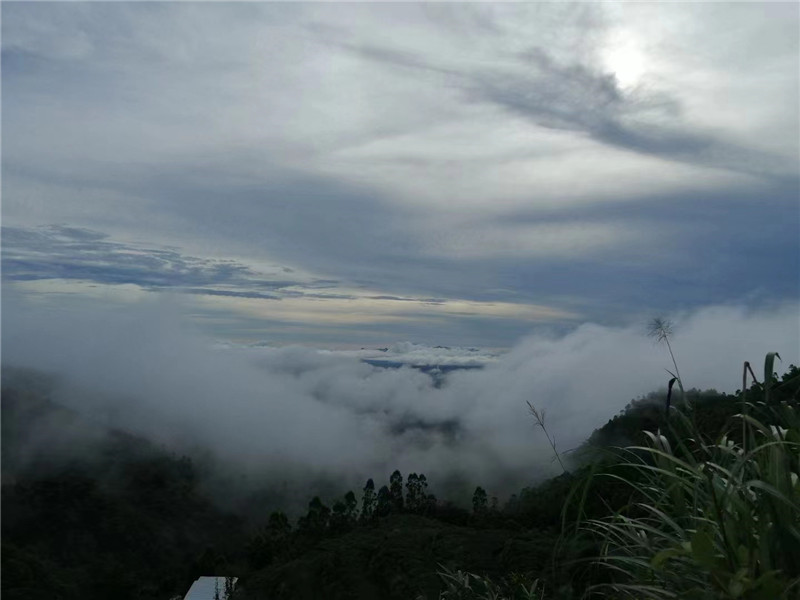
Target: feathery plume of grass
661 330
539 417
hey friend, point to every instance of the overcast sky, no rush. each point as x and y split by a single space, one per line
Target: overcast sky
357 174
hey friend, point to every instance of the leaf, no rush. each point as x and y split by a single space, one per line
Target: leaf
664 555
769 361
703 548
770 585
669 391
735 588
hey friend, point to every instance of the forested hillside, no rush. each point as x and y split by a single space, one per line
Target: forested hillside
111 517
122 518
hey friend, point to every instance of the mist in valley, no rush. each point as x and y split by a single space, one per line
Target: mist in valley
281 424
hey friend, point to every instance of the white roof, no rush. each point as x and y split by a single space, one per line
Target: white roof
205 588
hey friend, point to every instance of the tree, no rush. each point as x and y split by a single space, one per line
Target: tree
368 501
271 541
412 493
425 503
430 504
416 492
396 490
338 520
278 525
316 520
351 505
384 502
479 501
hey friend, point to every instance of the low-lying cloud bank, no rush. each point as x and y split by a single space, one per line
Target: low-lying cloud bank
295 415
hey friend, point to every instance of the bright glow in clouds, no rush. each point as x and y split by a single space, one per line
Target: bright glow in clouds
626 61
298 415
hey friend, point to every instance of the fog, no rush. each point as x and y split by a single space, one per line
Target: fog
308 420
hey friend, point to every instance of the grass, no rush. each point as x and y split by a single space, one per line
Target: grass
709 518
460 585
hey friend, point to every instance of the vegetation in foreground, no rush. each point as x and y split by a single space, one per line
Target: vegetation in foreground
703 503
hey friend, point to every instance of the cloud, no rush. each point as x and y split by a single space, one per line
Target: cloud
408 353
300 415
86 263
71 253
595 159
580 95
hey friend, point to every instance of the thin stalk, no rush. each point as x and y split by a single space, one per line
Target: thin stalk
745 369
672 356
540 422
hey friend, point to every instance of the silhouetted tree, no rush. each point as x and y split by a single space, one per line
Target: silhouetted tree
368 501
424 503
278 525
416 493
430 503
316 520
413 499
512 505
384 503
396 490
351 505
479 501
271 541
338 520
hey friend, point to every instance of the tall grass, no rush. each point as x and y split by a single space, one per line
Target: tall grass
460 585
709 518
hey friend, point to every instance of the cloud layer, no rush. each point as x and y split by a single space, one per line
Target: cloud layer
297 415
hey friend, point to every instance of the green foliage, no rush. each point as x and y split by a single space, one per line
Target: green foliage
397 557
118 518
416 494
383 505
96 538
460 585
369 500
270 542
710 517
396 491
683 510
480 502
316 520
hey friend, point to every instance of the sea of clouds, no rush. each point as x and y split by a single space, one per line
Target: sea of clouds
300 417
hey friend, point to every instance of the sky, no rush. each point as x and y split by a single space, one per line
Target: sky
212 213
357 175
